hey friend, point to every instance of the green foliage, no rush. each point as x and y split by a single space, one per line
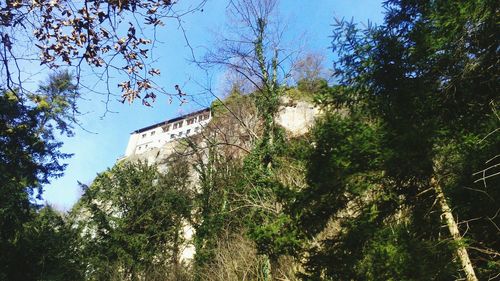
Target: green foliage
56 100
426 78
345 162
234 99
274 235
374 246
416 103
29 154
390 254
309 90
270 228
465 162
45 250
212 216
131 220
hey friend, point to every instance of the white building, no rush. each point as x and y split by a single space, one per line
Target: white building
157 135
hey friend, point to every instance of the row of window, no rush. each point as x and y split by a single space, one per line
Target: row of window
139 148
189 121
173 136
152 134
179 124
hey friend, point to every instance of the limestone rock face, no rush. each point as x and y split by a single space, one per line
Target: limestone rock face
156 155
297 117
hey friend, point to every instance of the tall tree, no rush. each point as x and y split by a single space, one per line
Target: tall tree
256 53
46 249
29 151
359 227
428 75
131 219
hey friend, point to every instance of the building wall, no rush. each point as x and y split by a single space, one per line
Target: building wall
132 143
156 137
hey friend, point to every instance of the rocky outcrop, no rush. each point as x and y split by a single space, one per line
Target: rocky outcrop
297 117
233 133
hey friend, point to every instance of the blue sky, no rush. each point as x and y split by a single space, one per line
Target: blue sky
96 151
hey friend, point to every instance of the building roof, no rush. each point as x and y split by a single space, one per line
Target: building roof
169 121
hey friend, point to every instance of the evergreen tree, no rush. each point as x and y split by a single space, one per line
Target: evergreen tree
30 155
47 249
131 221
428 77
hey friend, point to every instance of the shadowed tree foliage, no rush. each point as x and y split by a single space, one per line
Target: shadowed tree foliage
29 153
397 180
428 77
46 249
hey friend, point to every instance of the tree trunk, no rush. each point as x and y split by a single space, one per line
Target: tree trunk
461 251
176 254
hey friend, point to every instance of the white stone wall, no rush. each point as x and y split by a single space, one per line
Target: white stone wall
157 137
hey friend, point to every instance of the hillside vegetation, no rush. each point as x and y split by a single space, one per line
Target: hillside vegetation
397 177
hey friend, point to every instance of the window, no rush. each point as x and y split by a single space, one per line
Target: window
196 129
165 128
180 134
188 131
177 125
139 148
204 116
172 136
143 135
190 121
153 133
